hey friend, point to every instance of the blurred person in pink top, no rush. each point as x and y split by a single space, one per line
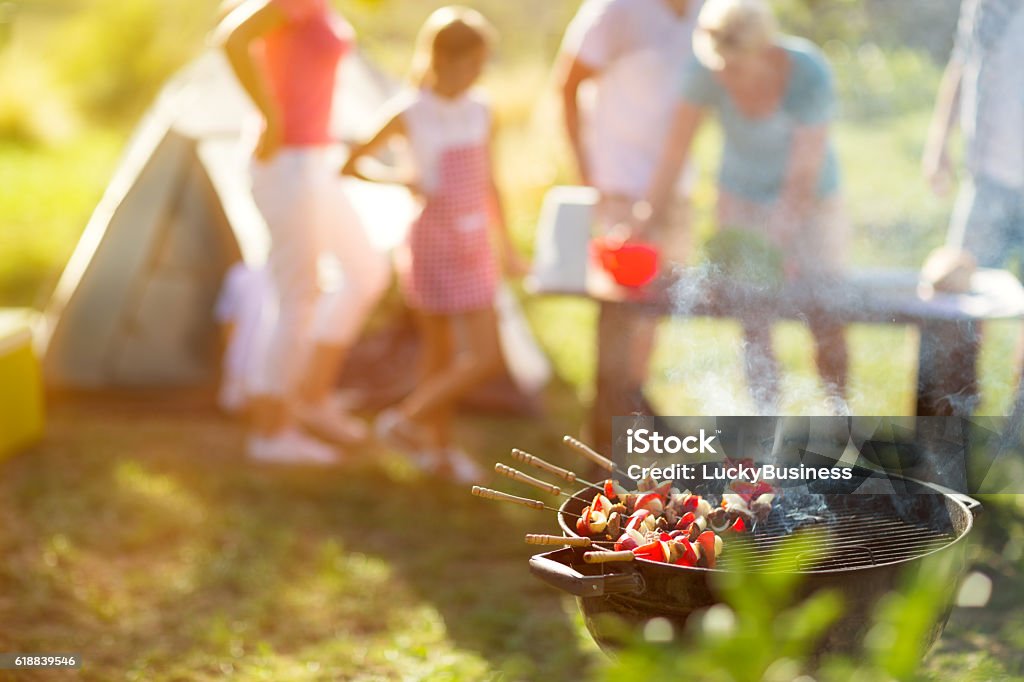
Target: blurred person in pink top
285 54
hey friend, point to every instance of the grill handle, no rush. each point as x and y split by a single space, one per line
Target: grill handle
972 504
558 574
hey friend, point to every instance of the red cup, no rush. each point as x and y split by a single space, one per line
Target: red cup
633 264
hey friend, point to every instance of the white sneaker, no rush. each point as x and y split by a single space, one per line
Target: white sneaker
291 447
328 420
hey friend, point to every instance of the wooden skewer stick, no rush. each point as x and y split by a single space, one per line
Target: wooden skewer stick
588 452
537 462
558 540
516 475
488 494
606 557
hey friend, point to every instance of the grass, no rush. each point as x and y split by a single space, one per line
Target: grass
159 554
47 194
140 539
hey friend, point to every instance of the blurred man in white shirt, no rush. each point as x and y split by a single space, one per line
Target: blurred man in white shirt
621 66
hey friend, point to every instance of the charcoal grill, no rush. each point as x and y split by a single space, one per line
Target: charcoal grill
861 548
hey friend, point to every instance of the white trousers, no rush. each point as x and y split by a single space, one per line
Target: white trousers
326 275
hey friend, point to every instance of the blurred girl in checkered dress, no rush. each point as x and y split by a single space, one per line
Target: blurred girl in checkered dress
448 268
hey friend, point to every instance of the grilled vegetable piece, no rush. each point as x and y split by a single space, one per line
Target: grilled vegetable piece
710 548
601 504
685 520
733 501
703 507
653 551
650 501
718 519
591 522
614 524
583 522
637 518
631 539
684 553
613 490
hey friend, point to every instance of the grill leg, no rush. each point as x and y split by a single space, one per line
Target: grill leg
947 382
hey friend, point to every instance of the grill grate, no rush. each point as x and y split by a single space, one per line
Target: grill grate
851 540
850 532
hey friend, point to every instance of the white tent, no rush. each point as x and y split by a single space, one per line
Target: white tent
133 306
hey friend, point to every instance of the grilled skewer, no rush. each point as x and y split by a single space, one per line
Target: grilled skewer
559 540
516 475
604 556
488 494
537 462
592 455
584 543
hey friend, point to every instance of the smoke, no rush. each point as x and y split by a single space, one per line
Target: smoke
794 509
711 384
750 302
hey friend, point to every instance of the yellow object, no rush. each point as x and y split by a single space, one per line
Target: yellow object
21 390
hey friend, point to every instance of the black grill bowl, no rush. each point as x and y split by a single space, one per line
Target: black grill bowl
618 599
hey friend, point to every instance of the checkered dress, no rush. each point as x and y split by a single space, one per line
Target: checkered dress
447 265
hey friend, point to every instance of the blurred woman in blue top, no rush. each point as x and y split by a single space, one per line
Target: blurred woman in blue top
779 177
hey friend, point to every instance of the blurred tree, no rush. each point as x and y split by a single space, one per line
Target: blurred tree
8 13
116 55
824 20
916 24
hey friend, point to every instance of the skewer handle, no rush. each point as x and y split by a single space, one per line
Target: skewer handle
608 557
488 494
557 540
589 453
516 475
527 458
